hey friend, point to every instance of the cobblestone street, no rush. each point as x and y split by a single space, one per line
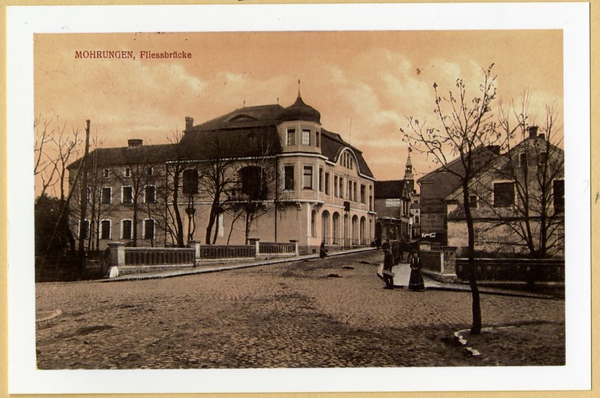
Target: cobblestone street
314 313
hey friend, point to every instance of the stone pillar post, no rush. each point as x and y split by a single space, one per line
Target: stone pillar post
117 253
196 246
295 242
117 258
256 243
449 261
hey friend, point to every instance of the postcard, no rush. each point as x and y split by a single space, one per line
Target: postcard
299 198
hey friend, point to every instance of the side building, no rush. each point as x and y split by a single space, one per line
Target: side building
516 200
263 172
394 207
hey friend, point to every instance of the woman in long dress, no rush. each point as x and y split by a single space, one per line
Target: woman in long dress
416 277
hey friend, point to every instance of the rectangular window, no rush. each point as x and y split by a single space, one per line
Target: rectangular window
320 179
349 190
105 173
150 194
305 137
86 229
291 137
307 177
504 194
106 197
127 195
362 193
523 160
326 183
473 201
149 171
149 229
335 186
126 229
127 172
559 195
105 229
317 139
289 178
313 223
341 187
354 191
543 158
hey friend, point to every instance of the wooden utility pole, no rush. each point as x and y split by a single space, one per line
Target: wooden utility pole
84 197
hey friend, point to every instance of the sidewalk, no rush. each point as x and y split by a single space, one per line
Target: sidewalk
402 275
202 269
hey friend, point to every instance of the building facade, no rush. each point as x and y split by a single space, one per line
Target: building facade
264 172
516 201
394 207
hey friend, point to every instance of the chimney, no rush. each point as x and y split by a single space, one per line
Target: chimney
189 123
533 131
134 142
542 136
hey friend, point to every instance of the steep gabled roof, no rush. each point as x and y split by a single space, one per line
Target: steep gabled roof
500 162
391 189
481 154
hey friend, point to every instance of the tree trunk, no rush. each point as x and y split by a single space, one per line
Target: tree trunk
135 221
178 220
476 303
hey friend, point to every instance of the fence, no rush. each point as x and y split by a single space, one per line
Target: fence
277 248
213 252
514 269
158 256
151 258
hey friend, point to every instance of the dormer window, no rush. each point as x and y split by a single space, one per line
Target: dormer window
291 137
305 137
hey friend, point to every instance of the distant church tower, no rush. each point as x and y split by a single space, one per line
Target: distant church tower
408 173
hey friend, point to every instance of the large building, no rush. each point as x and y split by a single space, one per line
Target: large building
265 172
516 200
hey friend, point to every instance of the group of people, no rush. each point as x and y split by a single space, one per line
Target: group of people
392 256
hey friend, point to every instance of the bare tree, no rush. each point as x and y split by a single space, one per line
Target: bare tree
142 177
218 177
256 183
175 169
54 149
467 133
536 167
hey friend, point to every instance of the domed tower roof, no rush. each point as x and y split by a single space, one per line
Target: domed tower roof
300 111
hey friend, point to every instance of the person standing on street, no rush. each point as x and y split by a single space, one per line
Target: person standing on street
416 276
388 263
322 250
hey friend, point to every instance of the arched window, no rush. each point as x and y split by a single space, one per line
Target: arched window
336 228
355 235
325 227
362 236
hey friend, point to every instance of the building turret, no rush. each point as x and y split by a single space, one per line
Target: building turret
408 173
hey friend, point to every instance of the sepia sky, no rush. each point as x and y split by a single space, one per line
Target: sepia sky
364 84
